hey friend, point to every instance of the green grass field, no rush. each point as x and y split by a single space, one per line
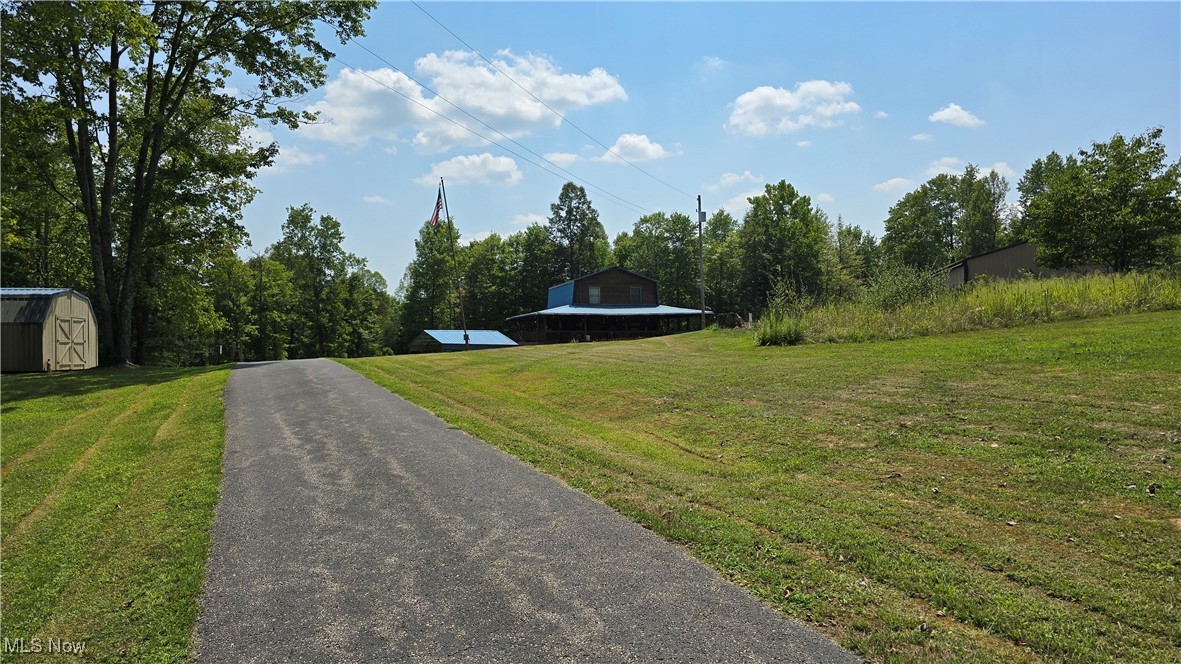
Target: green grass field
109 481
1005 494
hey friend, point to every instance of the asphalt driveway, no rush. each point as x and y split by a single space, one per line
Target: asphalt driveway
354 526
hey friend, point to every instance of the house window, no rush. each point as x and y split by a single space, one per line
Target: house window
636 294
594 295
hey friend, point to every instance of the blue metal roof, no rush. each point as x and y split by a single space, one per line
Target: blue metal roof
560 294
475 337
613 310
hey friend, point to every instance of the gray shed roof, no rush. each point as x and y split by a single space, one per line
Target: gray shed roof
30 305
23 292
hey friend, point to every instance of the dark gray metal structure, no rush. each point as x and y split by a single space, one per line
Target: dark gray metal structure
1010 262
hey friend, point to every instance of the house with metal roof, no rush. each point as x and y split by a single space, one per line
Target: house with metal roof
612 304
444 341
47 329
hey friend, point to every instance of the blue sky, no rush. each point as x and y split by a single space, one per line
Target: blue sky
854 104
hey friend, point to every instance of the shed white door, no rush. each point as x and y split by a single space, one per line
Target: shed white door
71 343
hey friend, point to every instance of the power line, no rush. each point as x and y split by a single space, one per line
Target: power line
616 199
542 102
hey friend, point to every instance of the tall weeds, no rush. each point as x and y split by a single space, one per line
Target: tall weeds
909 307
782 325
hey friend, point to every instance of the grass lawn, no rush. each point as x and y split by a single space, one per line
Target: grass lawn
110 478
1006 494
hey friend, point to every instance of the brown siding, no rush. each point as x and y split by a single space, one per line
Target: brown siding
615 288
1008 263
1004 264
22 347
955 276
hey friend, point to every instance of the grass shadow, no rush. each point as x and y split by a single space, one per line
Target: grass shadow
17 388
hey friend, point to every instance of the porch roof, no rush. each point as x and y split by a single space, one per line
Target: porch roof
611 310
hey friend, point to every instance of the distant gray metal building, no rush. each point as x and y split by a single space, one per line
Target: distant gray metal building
1007 263
47 329
443 341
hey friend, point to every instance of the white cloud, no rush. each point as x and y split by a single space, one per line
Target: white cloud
825 198
376 200
921 137
766 110
738 205
892 184
482 235
713 64
953 114
633 147
360 106
474 168
731 179
293 156
562 159
289 157
257 136
1000 168
803 144
955 166
528 219
881 115
946 166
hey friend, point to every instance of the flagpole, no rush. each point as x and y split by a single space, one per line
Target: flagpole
455 259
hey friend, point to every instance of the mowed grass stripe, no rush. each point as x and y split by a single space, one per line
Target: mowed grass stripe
867 617
803 443
984 546
117 557
591 441
627 490
33 446
976 591
816 501
982 542
45 461
25 431
152 563
112 433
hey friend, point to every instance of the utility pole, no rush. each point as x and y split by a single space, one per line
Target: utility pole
701 257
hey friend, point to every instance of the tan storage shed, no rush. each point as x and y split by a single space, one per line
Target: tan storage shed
47 329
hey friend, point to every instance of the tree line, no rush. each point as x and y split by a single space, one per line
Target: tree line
126 167
126 164
1116 205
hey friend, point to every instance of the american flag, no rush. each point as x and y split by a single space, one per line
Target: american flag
438 209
